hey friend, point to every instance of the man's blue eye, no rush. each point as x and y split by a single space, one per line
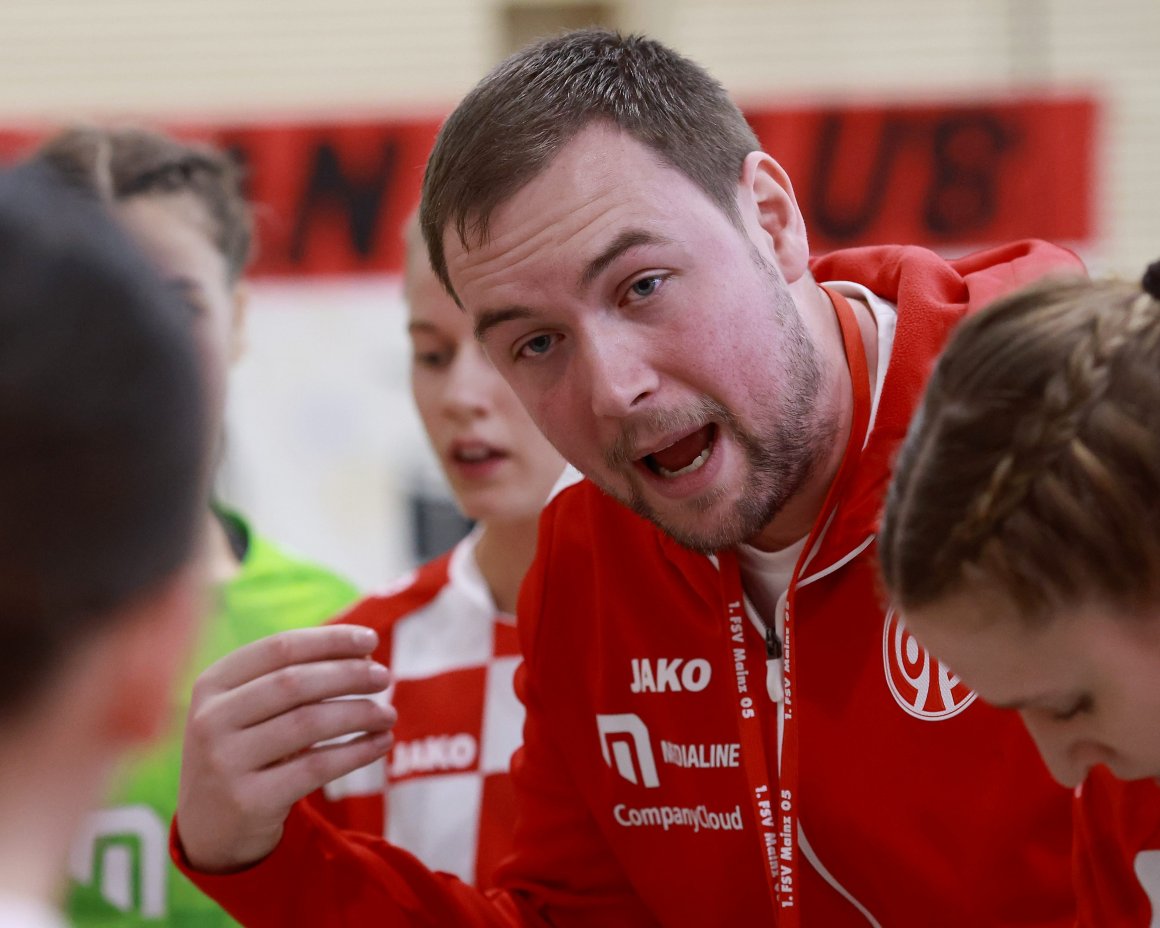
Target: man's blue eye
646 286
539 344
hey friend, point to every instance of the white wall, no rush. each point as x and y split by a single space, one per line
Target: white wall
322 438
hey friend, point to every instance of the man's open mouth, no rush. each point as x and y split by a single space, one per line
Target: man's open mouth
685 455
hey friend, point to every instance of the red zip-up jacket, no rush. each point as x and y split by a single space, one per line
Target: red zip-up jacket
918 805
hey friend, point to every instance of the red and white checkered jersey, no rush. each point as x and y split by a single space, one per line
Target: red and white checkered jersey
443 793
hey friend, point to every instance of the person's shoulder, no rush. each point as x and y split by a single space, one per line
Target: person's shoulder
992 273
571 486
584 531
577 506
918 279
272 563
406 595
588 539
276 589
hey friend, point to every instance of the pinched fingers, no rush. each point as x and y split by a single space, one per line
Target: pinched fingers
310 770
232 821
286 649
286 688
252 751
303 729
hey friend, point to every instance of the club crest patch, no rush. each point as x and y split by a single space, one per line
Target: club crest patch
922 686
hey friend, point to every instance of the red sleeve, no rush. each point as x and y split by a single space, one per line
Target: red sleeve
561 873
322 877
1117 852
365 813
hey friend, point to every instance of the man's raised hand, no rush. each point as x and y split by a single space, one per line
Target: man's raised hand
254 737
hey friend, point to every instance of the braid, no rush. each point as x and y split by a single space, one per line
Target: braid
1045 433
1033 464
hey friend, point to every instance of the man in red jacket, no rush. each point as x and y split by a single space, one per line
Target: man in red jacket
723 724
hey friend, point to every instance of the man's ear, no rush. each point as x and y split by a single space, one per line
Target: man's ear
241 301
771 215
150 647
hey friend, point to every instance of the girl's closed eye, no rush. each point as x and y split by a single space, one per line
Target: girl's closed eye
1081 706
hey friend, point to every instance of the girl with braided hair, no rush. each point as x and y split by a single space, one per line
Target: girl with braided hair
1021 542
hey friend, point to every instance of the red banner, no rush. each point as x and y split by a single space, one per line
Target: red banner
332 197
939 175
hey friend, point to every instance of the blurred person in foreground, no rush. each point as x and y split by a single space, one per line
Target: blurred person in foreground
104 454
1021 540
724 726
182 204
447 631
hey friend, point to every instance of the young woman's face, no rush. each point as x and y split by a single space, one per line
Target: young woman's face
174 231
1086 682
498 464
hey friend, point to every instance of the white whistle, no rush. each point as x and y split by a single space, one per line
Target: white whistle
773 679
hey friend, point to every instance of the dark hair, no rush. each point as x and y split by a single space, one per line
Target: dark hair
516 120
1032 469
118 164
103 444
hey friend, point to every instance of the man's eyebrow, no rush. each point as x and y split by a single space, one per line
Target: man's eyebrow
629 238
490 318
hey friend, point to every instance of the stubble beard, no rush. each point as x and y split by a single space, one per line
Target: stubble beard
781 453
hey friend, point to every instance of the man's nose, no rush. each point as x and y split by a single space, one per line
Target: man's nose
620 377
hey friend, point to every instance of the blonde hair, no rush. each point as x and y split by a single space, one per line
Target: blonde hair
1032 468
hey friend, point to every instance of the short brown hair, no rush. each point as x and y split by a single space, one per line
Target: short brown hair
119 163
516 120
1033 466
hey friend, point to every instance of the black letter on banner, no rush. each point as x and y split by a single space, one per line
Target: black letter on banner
361 200
844 223
240 155
964 190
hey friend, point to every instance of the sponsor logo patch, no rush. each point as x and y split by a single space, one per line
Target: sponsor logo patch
699 818
701 755
434 754
670 675
624 742
124 852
